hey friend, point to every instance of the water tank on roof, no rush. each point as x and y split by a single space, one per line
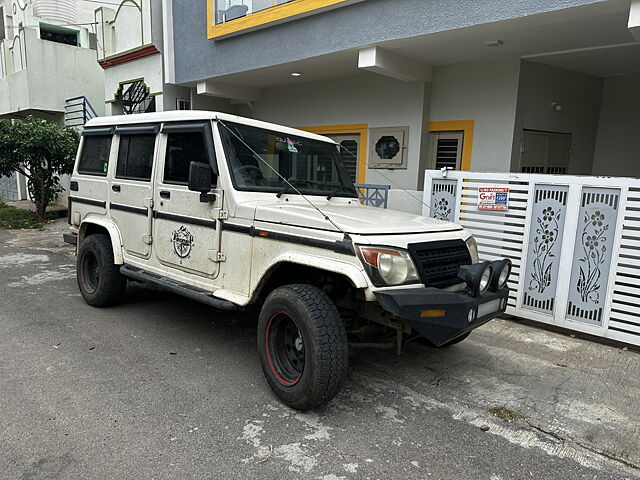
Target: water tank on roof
64 11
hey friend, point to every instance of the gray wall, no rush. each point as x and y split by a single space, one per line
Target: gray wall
577 93
363 99
361 24
485 93
618 142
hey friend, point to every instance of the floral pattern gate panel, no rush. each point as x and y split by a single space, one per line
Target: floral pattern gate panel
545 243
574 242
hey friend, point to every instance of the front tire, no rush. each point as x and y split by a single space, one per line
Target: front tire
99 279
302 345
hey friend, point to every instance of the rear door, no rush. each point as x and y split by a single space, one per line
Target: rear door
88 190
131 189
186 232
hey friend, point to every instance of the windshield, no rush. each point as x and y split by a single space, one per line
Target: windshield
311 166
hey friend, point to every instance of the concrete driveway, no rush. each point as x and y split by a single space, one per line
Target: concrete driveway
161 387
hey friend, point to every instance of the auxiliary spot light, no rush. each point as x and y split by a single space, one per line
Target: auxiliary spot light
478 277
501 272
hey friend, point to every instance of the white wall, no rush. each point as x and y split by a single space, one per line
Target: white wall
617 149
487 94
148 68
363 99
577 93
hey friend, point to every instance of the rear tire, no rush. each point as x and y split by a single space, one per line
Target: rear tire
99 279
302 345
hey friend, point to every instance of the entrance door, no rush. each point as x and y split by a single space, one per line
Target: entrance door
349 153
131 190
446 149
545 152
186 232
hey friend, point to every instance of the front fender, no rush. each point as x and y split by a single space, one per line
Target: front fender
114 234
354 273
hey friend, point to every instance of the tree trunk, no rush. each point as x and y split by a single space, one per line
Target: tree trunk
41 203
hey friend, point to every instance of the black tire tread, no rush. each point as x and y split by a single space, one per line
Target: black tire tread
329 335
112 283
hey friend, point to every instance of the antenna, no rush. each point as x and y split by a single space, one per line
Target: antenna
326 217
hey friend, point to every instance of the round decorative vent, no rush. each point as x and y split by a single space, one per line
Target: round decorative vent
387 147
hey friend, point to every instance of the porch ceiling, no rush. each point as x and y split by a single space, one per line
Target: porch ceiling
593 39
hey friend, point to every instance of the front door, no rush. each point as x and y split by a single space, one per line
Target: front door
186 232
545 152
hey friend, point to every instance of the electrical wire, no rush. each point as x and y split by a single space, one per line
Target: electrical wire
387 178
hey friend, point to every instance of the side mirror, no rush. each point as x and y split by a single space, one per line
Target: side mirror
200 179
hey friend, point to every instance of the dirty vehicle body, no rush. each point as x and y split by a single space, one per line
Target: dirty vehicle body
237 213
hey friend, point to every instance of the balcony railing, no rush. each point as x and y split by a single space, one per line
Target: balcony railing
373 195
227 10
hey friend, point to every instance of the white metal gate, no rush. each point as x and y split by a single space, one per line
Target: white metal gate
574 243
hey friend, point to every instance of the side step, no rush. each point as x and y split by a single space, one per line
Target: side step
194 293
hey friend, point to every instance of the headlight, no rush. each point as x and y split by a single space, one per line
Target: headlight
472 245
388 266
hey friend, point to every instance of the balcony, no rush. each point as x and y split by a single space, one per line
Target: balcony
38 74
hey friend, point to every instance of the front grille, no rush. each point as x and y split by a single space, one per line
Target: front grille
438 262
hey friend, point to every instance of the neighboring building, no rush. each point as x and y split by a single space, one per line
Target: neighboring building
130 39
406 85
47 67
133 49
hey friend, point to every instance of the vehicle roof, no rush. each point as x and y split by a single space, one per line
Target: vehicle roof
194 115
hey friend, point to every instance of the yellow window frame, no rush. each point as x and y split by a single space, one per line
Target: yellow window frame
361 129
266 17
466 126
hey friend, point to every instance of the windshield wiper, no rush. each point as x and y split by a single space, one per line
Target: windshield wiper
298 182
335 191
290 186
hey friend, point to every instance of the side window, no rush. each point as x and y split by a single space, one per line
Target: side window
182 149
94 158
135 157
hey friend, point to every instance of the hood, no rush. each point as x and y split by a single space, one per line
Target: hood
355 218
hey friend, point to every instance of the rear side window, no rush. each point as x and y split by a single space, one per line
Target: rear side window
94 158
182 149
135 157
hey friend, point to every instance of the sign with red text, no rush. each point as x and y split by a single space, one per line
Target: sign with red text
493 198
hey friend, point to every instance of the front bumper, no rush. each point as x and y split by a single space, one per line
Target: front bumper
439 315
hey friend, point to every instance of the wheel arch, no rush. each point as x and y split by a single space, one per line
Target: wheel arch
298 268
94 225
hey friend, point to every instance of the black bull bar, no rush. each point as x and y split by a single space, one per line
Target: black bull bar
440 315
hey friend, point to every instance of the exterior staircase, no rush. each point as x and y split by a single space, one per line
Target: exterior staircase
78 111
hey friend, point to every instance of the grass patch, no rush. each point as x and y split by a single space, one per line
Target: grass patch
503 413
12 217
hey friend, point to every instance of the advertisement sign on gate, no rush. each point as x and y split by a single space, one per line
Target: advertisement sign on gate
493 198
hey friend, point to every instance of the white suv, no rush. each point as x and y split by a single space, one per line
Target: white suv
235 213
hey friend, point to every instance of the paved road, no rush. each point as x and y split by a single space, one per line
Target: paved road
161 387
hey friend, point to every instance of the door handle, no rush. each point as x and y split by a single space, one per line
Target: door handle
115 188
165 194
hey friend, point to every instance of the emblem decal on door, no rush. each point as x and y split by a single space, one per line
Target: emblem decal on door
182 242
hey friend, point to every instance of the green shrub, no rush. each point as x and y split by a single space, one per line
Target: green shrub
12 217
